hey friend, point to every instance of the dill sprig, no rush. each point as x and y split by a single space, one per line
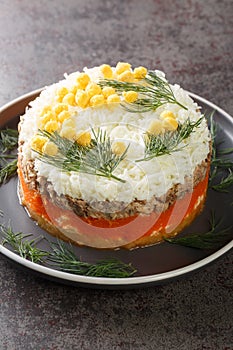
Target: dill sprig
8 142
214 238
70 153
154 93
225 151
7 171
221 174
101 160
96 159
21 245
64 259
61 257
225 182
158 145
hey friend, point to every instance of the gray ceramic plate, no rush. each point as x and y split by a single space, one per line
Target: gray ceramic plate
156 264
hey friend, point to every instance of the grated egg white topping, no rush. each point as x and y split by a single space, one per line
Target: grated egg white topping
143 179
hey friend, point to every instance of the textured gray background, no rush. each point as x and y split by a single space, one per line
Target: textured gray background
192 41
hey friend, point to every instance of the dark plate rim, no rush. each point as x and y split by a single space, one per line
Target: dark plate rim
103 281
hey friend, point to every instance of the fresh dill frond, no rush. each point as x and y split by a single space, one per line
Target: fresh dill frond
214 238
224 183
222 163
61 257
8 140
100 160
96 159
226 151
7 171
158 145
21 245
70 153
221 174
154 92
64 259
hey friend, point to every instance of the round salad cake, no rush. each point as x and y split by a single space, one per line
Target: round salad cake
113 157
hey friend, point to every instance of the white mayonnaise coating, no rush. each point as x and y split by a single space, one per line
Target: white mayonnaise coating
143 179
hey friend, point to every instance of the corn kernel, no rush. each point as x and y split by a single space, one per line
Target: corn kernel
106 71
63 116
156 127
46 118
167 114
118 148
170 124
82 98
69 99
97 100
122 67
93 89
84 139
59 98
50 149
68 123
140 72
58 108
113 98
107 91
62 91
45 110
74 89
67 132
83 79
51 126
38 142
126 76
130 96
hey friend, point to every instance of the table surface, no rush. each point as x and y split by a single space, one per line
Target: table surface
192 41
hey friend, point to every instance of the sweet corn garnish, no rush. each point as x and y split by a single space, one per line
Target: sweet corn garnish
45 110
84 139
140 72
67 132
130 96
51 126
46 118
74 89
170 124
93 89
97 100
126 76
106 71
156 127
82 98
68 123
69 99
38 142
107 91
122 67
58 108
118 148
63 116
167 114
50 148
62 91
113 98
83 79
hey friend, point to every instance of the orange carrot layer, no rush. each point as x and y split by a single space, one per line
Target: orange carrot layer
120 230
32 197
